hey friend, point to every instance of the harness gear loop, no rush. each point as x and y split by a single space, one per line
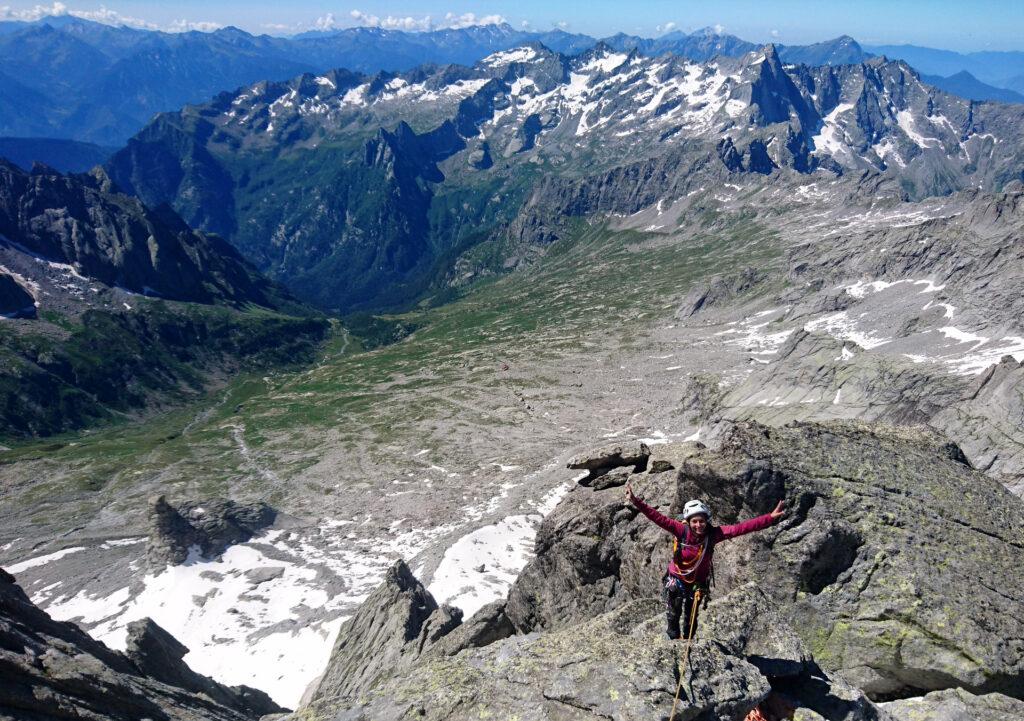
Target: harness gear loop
686 653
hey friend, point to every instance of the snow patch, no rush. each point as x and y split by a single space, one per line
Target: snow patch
42 560
905 119
832 137
752 334
506 57
503 549
841 327
606 63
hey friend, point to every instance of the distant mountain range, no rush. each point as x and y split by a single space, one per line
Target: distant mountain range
67 156
63 77
967 86
1002 69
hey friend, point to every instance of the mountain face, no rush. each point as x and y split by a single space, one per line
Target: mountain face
114 239
359 191
843 50
121 306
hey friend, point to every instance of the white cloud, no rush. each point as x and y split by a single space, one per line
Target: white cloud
562 24
718 28
775 33
390 22
103 15
180 26
467 20
410 23
327 22
666 28
39 11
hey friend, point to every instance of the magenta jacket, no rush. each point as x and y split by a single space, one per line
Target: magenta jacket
685 553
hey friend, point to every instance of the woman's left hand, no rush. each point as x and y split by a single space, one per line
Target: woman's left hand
778 513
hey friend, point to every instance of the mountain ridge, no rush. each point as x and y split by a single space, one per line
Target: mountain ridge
128 78
457 134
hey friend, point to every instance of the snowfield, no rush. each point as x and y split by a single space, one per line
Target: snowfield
266 612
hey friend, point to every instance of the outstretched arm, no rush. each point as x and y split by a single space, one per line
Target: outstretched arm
673 526
754 524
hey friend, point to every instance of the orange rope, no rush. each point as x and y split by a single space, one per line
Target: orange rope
686 654
688 569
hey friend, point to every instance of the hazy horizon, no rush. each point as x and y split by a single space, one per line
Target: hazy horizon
983 26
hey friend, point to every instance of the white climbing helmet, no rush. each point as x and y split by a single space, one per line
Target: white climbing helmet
695 508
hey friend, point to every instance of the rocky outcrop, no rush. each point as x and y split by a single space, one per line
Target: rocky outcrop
159 655
749 625
396 624
987 423
594 552
83 222
607 458
210 527
869 567
491 623
15 301
601 669
54 670
956 705
617 665
720 290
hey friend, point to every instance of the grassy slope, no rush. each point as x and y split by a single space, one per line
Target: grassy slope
111 364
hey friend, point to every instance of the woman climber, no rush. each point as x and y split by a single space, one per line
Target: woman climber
690 568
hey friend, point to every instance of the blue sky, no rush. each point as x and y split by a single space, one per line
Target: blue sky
961 26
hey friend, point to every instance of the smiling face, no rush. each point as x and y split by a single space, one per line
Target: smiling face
698 524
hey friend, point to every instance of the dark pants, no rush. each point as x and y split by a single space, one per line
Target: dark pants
679 598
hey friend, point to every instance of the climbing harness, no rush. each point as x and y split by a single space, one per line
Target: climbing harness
688 569
686 653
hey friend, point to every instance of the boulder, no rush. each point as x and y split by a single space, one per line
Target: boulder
209 526
955 704
159 655
593 553
614 478
15 300
602 460
264 574
393 627
484 627
670 456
